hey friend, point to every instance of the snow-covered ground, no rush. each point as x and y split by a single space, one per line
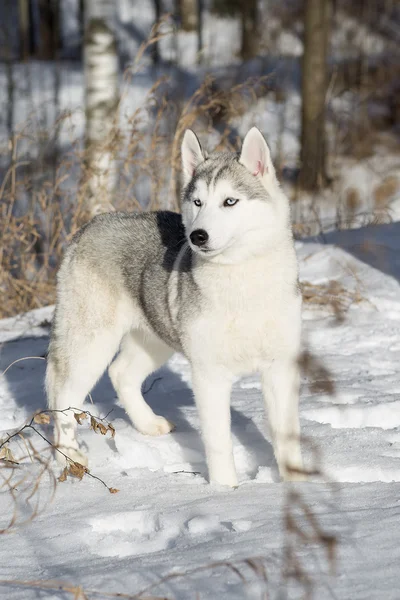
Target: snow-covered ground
167 519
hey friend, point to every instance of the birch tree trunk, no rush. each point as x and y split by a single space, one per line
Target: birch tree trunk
101 87
314 87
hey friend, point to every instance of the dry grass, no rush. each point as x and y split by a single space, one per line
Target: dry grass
44 201
332 295
27 478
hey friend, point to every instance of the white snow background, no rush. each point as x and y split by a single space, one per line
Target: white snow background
166 518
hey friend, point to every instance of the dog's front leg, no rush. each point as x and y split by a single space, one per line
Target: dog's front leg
212 391
281 382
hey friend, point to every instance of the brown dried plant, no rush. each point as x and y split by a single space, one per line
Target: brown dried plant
44 194
331 295
242 569
24 468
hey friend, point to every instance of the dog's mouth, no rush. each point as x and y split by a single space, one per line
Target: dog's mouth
206 251
203 250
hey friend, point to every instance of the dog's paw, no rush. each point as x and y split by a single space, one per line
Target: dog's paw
225 478
73 454
157 426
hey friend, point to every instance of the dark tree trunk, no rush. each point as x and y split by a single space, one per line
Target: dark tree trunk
9 61
25 29
155 54
57 82
250 32
317 23
200 9
188 14
48 17
81 17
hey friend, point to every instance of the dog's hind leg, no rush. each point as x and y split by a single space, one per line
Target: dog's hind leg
140 355
89 323
281 395
72 371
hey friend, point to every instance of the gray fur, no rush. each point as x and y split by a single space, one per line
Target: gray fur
137 253
225 165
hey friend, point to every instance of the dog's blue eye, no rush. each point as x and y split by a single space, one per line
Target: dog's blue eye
231 201
197 202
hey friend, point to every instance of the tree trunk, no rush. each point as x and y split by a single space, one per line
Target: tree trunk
155 54
250 32
188 14
200 11
81 21
48 14
25 41
9 62
57 83
314 87
101 85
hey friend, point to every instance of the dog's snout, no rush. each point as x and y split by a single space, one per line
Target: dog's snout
199 237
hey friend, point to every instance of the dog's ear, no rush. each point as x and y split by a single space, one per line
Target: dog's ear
192 155
255 155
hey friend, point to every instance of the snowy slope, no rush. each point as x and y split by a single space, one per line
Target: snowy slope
166 518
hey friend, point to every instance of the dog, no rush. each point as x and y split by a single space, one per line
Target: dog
218 283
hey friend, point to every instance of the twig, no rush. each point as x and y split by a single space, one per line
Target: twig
36 417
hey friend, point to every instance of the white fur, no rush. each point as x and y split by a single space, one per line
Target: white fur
192 155
252 327
249 279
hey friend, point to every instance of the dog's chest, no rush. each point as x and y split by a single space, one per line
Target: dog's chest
246 317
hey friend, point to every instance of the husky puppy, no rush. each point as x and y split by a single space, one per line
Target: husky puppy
218 284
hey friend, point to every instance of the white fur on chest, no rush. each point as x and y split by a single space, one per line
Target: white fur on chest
250 314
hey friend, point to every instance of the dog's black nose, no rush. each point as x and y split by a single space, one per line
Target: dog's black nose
199 237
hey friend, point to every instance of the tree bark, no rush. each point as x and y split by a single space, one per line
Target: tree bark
188 14
314 86
81 21
250 32
200 11
9 62
155 54
25 41
48 14
101 86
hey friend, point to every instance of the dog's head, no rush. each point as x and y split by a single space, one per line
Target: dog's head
232 205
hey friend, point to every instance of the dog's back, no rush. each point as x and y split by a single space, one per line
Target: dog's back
113 279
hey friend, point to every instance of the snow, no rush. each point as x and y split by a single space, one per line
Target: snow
166 519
